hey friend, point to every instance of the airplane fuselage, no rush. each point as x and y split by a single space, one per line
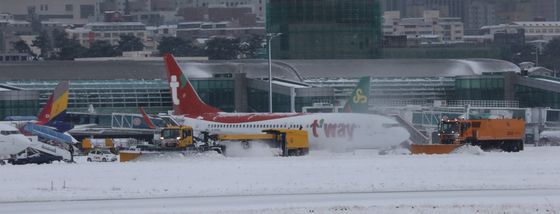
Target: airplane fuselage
11 141
332 131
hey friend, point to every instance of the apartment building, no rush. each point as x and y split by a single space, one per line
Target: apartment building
431 25
108 31
533 30
63 11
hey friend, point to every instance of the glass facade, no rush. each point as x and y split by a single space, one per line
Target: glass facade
325 29
309 101
216 92
107 96
393 90
480 88
18 103
126 96
534 97
258 101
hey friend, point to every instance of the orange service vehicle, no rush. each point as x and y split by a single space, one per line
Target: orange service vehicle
504 134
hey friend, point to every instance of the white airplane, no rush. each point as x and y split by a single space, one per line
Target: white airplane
331 131
11 141
49 120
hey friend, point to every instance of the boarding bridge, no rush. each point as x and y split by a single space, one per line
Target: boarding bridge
136 121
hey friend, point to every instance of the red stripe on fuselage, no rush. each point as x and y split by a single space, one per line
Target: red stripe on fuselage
242 117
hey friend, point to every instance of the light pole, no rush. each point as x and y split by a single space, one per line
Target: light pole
270 36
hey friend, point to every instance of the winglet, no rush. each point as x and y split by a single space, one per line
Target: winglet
185 99
358 101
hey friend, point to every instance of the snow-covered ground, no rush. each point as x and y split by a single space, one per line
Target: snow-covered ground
361 182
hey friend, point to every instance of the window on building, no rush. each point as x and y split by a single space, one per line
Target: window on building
86 11
69 8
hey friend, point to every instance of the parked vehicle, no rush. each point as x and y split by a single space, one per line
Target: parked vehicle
101 156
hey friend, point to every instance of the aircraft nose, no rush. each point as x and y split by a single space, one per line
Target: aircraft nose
399 132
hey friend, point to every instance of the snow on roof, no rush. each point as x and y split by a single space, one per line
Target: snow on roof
114 23
287 84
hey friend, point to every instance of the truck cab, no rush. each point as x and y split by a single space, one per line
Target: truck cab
450 131
176 137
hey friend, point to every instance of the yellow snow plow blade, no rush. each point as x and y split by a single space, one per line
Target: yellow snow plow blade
431 149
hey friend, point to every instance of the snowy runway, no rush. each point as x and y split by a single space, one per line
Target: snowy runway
481 201
362 181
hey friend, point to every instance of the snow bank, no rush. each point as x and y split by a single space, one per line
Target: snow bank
251 149
215 175
468 149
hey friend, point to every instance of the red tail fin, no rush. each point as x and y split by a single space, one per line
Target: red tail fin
147 119
185 99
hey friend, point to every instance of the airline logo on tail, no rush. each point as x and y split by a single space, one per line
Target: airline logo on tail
359 97
174 86
54 111
185 99
358 101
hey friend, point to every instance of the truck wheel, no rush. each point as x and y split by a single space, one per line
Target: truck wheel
89 160
506 146
104 159
520 146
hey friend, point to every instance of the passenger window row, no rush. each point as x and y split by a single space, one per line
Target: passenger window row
256 126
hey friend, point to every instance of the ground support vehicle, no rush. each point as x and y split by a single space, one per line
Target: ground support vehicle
181 139
488 134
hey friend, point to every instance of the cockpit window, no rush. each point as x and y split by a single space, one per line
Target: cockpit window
9 132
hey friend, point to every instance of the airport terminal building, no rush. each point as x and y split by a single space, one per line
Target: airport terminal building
421 91
242 86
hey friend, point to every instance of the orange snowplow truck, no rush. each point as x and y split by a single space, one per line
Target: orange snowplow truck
505 134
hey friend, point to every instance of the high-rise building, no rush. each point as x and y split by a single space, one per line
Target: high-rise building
325 29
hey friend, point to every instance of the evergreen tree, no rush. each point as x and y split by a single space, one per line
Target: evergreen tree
551 55
250 47
22 47
176 46
43 43
223 48
101 48
130 43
